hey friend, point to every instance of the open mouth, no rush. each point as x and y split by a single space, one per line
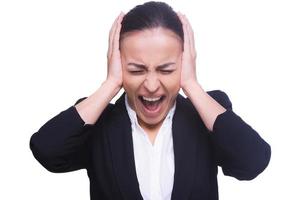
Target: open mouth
152 104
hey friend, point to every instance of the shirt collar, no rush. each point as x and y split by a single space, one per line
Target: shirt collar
133 117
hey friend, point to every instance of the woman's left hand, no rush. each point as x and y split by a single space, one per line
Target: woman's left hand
207 107
188 68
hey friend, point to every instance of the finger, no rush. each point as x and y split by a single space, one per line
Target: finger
185 45
191 37
185 33
180 15
112 30
116 38
111 37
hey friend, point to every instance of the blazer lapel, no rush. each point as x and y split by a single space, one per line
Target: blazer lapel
121 145
185 151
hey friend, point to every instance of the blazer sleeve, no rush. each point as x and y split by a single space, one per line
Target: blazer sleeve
239 149
60 144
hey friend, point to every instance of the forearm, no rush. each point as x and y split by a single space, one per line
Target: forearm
207 107
91 108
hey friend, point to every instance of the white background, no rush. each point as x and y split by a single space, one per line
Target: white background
54 52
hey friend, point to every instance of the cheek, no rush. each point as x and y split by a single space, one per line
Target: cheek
172 82
131 83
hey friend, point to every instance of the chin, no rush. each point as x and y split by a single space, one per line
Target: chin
150 123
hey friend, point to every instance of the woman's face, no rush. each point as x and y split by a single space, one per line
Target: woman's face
151 63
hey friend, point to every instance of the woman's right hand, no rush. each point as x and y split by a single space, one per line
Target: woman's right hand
92 107
114 64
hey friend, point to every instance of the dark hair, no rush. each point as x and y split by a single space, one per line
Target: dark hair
151 15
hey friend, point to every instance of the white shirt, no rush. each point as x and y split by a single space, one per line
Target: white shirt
154 164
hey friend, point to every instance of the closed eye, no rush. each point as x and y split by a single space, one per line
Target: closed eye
166 71
136 72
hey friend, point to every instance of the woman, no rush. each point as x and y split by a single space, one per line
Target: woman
152 143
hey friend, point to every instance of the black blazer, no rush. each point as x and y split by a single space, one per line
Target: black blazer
105 150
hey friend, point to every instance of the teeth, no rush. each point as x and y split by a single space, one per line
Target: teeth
151 99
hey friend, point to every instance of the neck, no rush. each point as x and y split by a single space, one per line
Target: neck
150 129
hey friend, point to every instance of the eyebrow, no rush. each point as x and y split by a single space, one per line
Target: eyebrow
145 67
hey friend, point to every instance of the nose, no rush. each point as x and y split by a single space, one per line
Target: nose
152 82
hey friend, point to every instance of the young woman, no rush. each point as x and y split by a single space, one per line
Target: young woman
152 143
